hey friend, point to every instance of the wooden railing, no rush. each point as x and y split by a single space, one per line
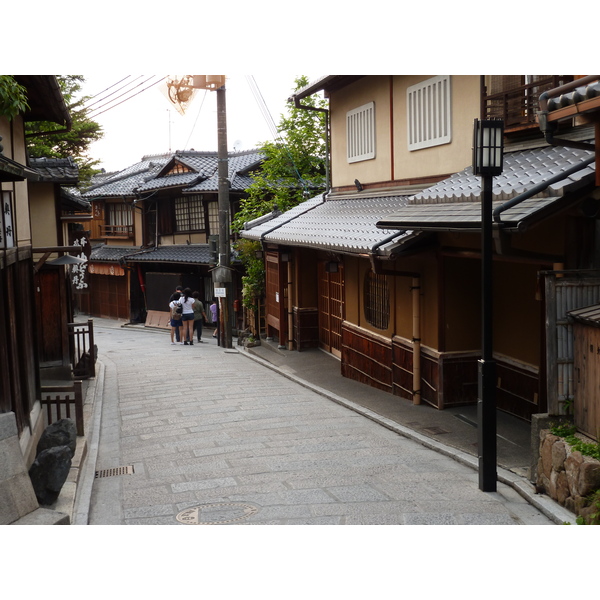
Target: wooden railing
117 231
82 349
64 402
518 106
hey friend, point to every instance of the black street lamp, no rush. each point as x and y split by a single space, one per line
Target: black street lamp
488 136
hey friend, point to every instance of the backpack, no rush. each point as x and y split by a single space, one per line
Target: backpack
176 312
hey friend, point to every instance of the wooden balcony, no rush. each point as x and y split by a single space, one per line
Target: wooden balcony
518 106
123 232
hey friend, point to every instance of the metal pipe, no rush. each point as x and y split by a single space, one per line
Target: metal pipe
416 311
536 189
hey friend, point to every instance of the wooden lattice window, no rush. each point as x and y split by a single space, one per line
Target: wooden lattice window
377 300
189 213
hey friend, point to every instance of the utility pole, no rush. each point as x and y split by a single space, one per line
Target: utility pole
222 273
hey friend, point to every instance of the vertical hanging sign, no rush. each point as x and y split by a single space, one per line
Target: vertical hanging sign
79 272
8 233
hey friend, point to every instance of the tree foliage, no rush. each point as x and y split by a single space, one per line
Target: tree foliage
74 143
13 97
293 170
294 165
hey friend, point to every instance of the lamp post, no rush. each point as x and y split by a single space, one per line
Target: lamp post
487 162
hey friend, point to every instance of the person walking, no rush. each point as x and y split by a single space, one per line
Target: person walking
179 292
214 317
199 314
175 318
187 302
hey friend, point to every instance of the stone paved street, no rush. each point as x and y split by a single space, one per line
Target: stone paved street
212 437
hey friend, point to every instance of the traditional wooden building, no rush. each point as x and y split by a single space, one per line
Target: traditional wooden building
155 226
384 270
22 419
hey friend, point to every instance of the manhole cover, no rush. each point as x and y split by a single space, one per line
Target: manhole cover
215 514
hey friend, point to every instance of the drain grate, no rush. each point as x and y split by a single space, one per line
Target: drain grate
216 514
115 471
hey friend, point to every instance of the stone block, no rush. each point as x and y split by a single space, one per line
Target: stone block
559 455
589 476
546 453
572 465
49 472
562 487
60 433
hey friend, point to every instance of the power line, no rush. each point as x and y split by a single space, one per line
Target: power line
96 114
109 88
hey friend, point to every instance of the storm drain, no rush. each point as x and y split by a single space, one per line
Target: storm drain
220 513
115 471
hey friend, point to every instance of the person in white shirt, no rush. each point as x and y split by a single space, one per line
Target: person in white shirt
187 317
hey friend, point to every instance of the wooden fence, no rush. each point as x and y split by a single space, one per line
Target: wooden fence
64 402
82 349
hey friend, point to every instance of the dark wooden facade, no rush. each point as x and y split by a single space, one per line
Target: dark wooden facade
447 378
586 386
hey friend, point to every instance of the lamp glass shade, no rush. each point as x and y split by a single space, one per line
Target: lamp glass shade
488 146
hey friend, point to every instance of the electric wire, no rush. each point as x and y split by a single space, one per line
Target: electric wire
96 114
271 124
88 104
196 121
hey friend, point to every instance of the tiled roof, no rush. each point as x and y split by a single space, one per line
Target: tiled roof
146 175
125 182
455 203
343 225
579 94
521 172
192 253
169 181
56 170
106 253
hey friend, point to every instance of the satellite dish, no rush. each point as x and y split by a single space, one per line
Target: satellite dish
237 145
179 91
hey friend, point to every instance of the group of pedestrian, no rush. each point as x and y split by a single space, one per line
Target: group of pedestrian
187 314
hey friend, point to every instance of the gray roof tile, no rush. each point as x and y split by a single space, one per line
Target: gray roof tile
455 203
192 253
56 170
344 225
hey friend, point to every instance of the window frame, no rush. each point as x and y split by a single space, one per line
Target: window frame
429 113
360 133
376 300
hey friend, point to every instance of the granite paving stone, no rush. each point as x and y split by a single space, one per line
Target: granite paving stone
235 433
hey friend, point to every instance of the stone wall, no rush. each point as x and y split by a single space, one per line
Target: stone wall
565 475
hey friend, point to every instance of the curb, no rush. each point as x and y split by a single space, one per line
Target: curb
522 486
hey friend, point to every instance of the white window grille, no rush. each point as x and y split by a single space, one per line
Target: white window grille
360 133
429 115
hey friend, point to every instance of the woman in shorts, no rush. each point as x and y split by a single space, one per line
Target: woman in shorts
175 317
187 317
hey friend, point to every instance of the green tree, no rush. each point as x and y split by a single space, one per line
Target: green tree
294 169
294 165
74 143
13 97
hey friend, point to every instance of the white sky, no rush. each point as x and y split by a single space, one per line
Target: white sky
147 123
